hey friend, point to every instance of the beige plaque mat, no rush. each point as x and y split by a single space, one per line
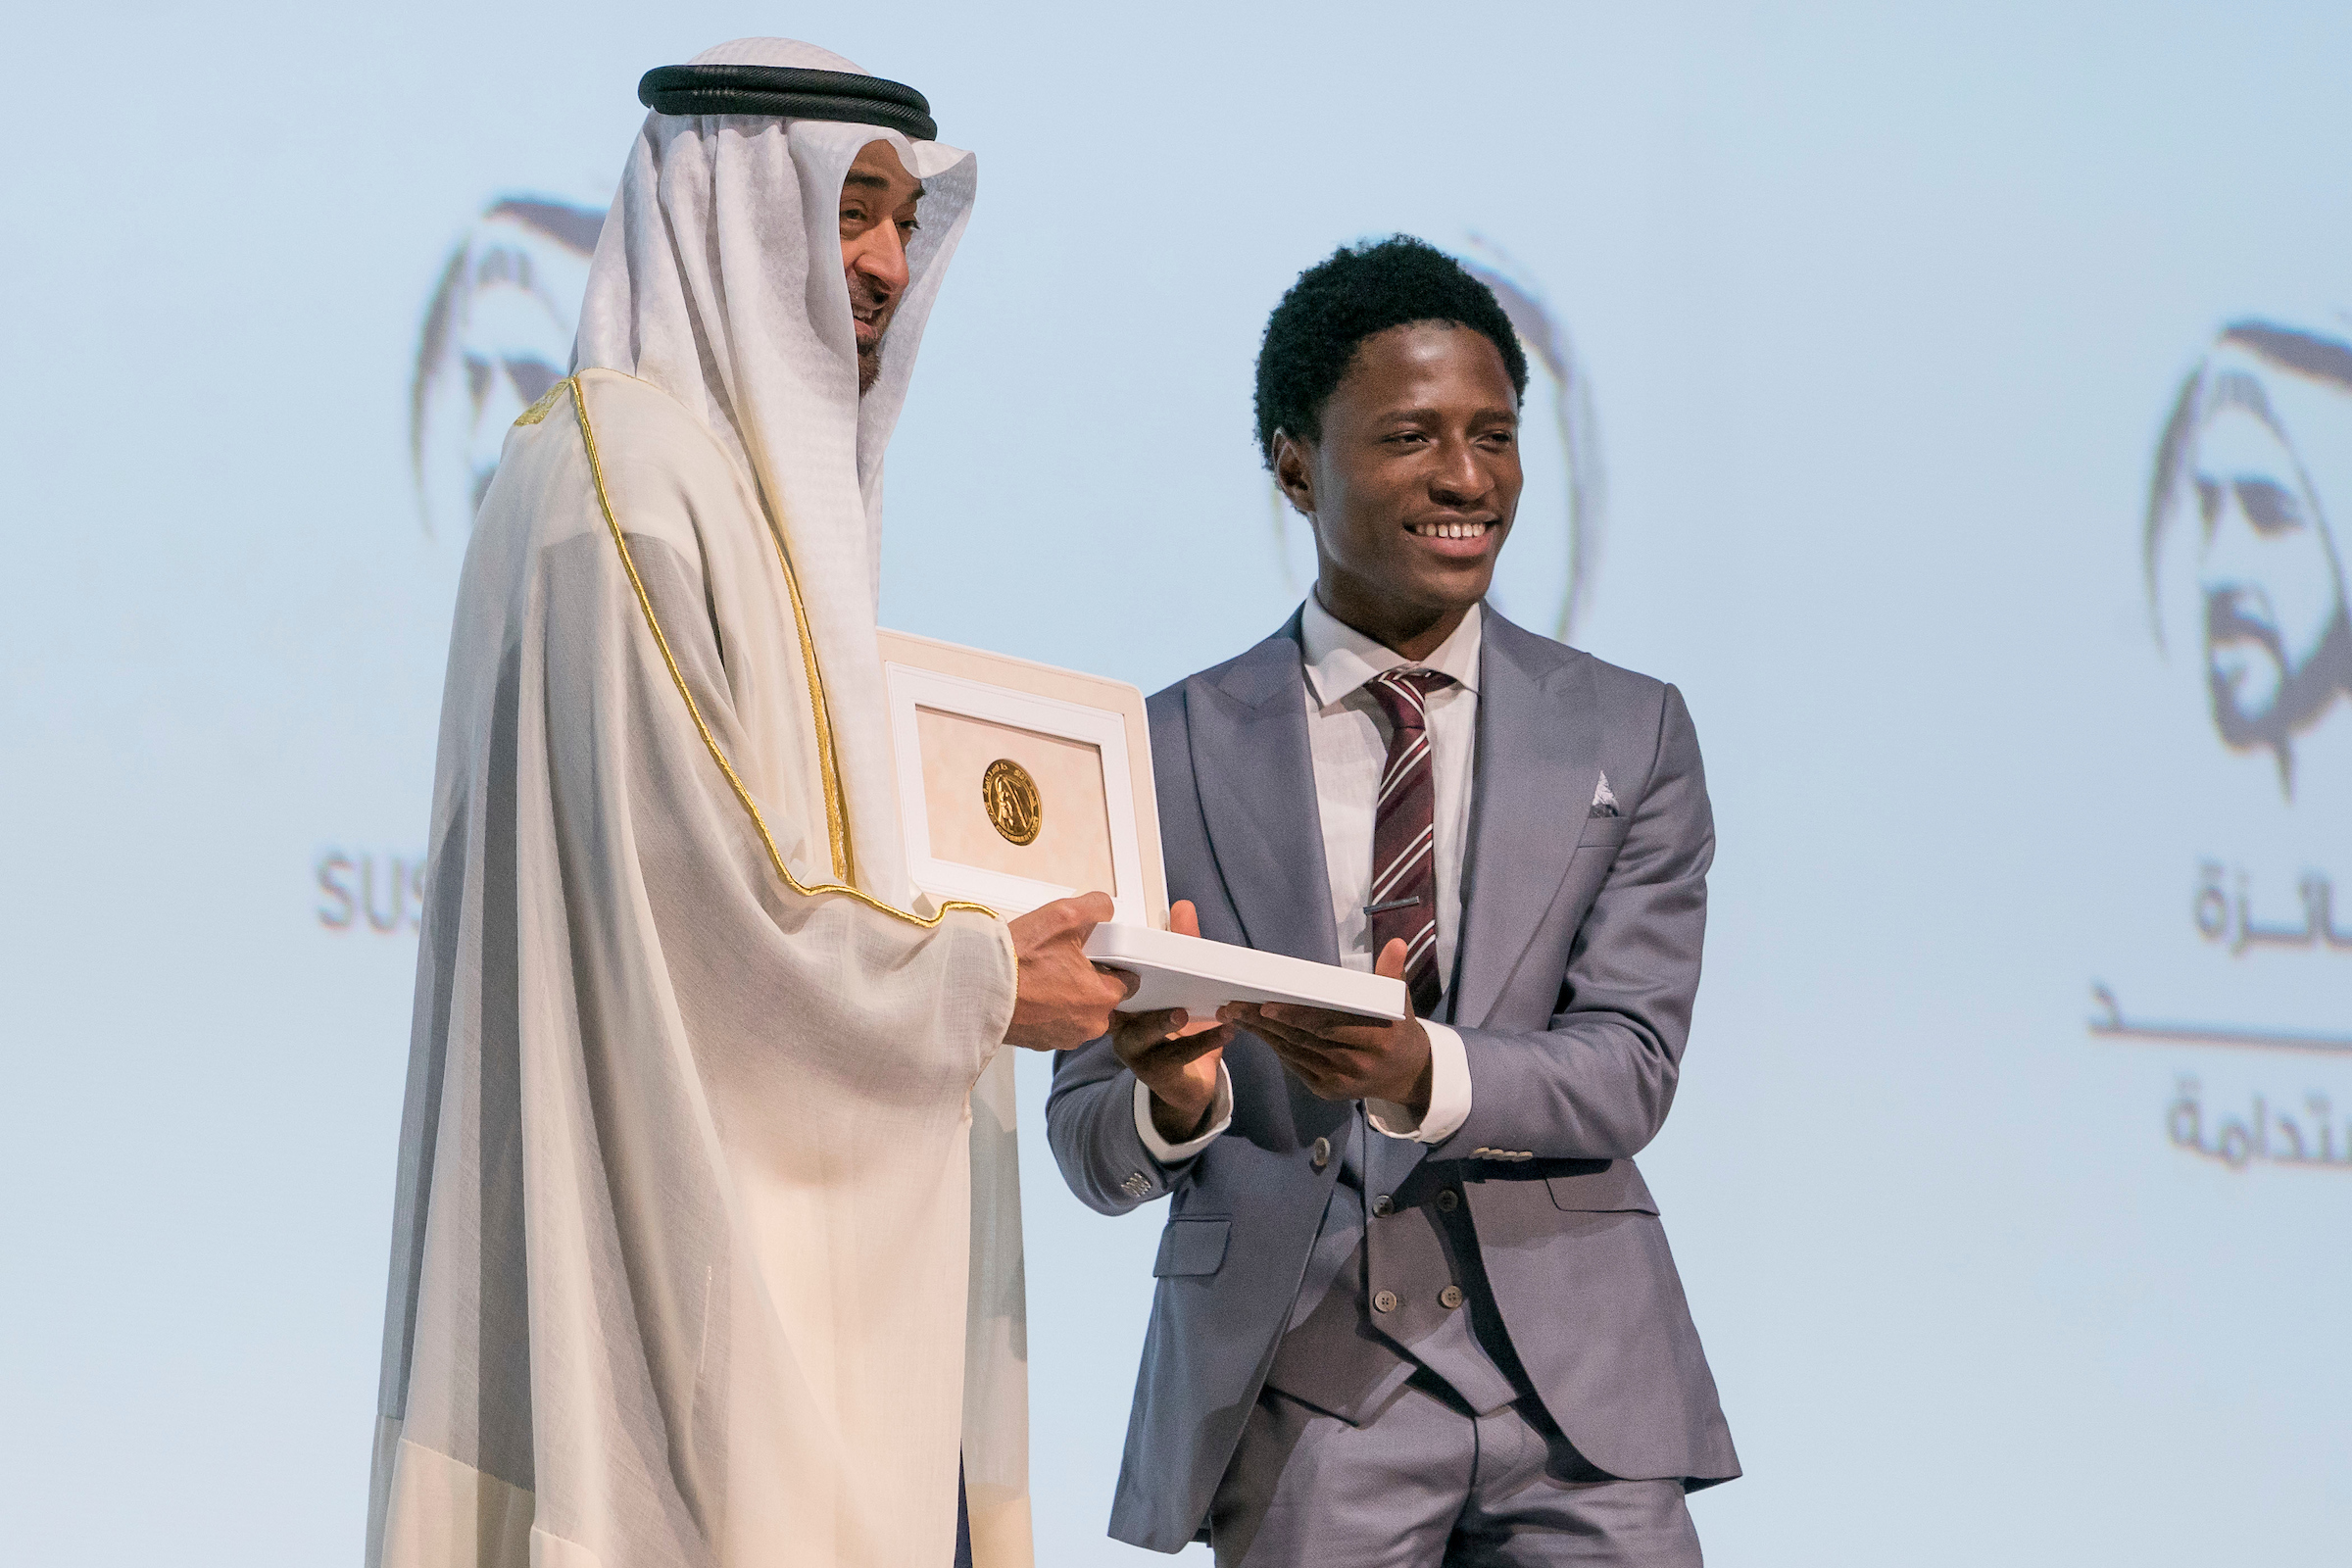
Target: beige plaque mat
1072 847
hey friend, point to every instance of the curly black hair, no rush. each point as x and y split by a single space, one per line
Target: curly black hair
1361 289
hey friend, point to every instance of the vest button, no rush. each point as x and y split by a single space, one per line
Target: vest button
1384 1206
1447 1198
1322 1152
1385 1301
1450 1297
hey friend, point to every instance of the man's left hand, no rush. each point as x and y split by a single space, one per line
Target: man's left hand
1339 1056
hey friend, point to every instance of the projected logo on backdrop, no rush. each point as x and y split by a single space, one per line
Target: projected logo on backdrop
2250 460
497 333
1545 574
2249 510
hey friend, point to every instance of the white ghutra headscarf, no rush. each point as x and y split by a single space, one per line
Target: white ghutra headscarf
718 280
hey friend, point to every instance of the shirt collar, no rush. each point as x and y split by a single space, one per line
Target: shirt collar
1339 658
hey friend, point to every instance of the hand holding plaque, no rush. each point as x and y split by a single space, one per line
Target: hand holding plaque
1174 1053
1343 1057
1061 1000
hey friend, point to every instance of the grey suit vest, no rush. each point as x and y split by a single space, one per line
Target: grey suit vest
1394 1285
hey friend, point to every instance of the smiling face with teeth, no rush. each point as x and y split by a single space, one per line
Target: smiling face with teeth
1411 486
878 199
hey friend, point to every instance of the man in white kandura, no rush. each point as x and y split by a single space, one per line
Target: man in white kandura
708 1242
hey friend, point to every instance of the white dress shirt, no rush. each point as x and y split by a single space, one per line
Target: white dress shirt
1347 734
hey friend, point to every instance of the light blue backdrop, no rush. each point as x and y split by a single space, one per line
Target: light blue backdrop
1883 318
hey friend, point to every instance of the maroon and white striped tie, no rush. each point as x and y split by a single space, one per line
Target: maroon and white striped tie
1403 902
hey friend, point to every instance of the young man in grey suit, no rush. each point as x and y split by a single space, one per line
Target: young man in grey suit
1414 1306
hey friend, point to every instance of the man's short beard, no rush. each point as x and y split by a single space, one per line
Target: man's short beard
2304 693
865 295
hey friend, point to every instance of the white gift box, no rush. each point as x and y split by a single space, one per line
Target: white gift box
1019 784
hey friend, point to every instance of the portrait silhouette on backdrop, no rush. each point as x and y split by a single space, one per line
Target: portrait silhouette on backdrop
2257 450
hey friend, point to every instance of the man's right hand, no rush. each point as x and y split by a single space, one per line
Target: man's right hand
1061 1000
1176 1058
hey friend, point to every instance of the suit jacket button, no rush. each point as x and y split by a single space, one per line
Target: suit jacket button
1322 1152
1384 1206
1385 1301
1447 1198
1450 1297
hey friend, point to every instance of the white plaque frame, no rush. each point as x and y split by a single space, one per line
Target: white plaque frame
1108 715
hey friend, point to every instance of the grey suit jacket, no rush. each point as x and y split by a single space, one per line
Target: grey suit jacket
1577 961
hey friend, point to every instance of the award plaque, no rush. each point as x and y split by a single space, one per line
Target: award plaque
1019 784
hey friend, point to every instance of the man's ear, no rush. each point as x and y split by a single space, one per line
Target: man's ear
1294 472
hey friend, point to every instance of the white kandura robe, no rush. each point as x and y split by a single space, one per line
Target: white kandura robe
695 1184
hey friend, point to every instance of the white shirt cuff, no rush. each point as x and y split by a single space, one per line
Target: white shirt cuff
1448 1093
1220 1117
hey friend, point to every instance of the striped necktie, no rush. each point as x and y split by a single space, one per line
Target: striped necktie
1403 905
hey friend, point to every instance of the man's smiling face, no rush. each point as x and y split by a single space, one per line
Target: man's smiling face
878 199
1414 479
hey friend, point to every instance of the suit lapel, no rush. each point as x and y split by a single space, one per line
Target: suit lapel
1539 753
1256 781
1256 778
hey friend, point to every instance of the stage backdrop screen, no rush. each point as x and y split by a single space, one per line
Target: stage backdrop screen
1955 402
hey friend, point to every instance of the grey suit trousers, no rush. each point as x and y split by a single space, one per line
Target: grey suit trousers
1428 1483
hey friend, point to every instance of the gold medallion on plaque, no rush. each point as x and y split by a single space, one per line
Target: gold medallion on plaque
1014 809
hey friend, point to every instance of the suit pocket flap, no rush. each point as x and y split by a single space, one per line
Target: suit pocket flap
1605 830
1191 1246
1614 1189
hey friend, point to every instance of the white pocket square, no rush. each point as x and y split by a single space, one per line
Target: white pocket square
1604 803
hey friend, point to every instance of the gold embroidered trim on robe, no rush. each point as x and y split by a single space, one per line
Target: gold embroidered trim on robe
645 602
